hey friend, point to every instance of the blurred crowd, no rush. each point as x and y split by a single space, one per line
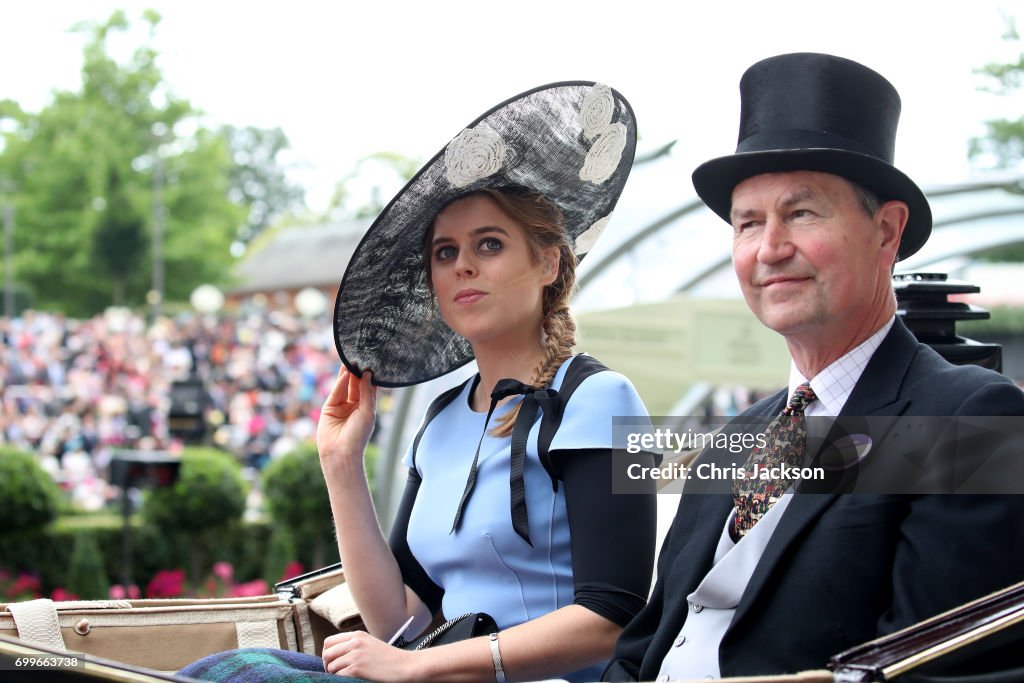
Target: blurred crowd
76 391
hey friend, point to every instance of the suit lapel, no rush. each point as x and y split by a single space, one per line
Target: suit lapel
877 393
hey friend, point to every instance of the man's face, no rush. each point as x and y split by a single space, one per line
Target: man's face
812 264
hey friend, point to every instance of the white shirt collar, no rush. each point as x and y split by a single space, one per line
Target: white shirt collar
835 383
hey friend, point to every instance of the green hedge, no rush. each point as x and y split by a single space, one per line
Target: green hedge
299 506
201 507
188 526
208 493
28 497
48 553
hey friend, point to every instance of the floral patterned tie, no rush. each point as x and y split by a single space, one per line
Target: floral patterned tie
785 441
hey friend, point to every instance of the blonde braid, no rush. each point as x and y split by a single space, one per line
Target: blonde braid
559 335
559 342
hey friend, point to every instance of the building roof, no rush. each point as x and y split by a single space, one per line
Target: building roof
307 256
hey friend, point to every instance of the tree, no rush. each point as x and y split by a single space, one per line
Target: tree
367 188
86 171
258 181
1003 145
120 241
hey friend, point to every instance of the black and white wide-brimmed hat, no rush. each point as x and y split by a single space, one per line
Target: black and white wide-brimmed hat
573 142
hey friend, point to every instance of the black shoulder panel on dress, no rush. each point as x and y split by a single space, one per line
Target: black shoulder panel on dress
582 367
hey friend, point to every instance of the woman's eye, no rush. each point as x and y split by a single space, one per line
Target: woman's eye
445 252
490 244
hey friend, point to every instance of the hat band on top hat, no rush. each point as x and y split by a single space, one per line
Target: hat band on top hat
798 139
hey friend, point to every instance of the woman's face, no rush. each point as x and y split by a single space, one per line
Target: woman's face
488 285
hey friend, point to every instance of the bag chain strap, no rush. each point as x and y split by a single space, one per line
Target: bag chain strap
437 632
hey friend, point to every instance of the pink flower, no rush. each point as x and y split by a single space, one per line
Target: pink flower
133 592
59 594
25 587
118 592
166 583
291 570
224 571
243 590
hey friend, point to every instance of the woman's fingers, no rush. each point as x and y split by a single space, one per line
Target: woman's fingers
338 647
353 388
367 391
339 392
360 655
347 394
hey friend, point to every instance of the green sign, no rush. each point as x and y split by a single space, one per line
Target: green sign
666 347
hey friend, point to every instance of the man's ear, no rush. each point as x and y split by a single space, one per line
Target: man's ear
892 219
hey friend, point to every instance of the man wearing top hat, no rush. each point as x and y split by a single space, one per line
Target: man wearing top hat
751 582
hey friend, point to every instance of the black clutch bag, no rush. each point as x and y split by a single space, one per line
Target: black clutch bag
469 625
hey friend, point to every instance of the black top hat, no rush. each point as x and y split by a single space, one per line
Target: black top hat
572 142
817 112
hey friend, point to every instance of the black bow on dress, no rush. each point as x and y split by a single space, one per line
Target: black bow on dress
533 397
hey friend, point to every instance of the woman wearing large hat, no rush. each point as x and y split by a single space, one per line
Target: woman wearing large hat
475 259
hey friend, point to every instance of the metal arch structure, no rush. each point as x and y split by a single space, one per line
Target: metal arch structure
641 235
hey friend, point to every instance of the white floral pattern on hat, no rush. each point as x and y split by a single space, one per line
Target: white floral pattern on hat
604 156
474 154
596 111
586 239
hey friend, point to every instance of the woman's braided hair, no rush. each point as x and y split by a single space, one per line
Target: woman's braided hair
543 225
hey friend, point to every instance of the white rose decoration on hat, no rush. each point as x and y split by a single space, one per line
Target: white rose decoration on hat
474 154
596 111
604 155
586 239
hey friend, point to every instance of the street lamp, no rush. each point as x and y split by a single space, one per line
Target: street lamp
7 188
155 296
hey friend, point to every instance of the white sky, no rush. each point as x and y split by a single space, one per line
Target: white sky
346 79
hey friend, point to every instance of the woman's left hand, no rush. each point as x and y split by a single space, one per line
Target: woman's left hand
358 654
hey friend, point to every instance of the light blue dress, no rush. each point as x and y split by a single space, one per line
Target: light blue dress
485 566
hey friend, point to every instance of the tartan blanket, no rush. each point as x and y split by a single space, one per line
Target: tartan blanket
263 665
